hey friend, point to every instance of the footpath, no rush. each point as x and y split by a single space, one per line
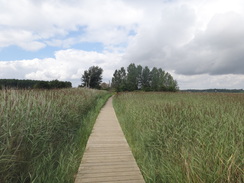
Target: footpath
107 157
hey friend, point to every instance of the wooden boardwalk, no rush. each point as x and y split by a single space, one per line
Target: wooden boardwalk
107 157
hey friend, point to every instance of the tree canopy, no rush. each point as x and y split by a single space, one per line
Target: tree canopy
139 78
30 84
92 77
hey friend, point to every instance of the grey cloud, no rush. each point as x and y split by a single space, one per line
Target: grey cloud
179 36
155 45
223 31
174 44
217 50
204 81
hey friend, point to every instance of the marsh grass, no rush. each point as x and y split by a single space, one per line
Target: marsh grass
185 137
43 133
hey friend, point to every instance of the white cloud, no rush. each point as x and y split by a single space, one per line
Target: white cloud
217 50
20 38
68 65
195 39
154 44
47 20
205 81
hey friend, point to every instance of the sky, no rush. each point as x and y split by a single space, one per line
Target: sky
199 42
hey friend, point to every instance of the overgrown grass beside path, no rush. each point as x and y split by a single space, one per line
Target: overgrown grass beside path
185 137
43 133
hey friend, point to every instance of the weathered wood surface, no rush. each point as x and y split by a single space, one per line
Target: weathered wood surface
107 157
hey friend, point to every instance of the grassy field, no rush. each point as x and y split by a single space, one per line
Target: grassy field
43 133
185 137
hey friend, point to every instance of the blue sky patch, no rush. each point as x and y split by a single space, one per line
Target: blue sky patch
89 46
77 33
12 53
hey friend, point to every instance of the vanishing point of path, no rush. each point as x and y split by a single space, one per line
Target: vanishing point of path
107 157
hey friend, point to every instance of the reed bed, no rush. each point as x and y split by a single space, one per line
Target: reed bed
185 137
43 133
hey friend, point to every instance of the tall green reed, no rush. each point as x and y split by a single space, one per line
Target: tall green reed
43 133
181 137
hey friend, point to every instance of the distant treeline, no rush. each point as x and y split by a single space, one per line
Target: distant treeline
142 78
33 84
216 90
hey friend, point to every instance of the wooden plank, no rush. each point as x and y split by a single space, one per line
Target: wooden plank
107 157
117 178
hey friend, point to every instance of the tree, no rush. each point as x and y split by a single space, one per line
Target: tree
93 77
119 80
116 81
139 78
123 76
162 79
29 84
42 85
55 84
171 84
145 79
104 86
155 79
132 76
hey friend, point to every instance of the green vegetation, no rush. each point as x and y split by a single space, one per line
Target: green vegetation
139 78
216 90
30 84
44 132
92 77
185 137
